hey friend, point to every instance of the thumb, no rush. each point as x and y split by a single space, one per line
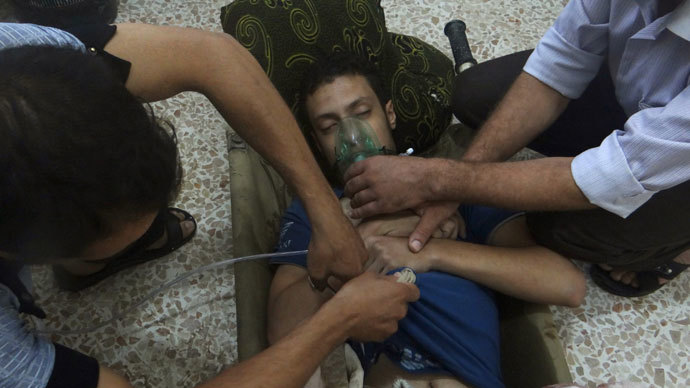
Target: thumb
412 292
425 227
409 291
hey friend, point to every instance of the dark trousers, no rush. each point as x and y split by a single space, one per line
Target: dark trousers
654 234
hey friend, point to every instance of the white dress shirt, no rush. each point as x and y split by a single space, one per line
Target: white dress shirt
649 61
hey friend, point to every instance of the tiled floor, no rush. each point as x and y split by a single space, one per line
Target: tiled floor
188 334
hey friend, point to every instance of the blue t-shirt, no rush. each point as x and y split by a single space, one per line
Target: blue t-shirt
451 329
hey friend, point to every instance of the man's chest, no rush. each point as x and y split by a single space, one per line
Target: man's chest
650 64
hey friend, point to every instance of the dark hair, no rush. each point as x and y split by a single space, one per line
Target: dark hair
64 14
326 69
79 154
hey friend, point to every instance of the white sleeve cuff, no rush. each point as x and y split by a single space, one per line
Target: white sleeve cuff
605 178
564 67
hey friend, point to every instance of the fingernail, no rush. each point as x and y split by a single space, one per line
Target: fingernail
416 245
397 274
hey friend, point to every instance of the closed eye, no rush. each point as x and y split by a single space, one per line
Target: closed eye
328 128
363 114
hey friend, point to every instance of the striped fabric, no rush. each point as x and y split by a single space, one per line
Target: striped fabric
26 361
18 34
649 60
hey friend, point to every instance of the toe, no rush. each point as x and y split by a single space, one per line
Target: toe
617 274
187 228
628 278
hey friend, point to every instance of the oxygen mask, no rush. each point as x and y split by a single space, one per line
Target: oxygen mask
355 140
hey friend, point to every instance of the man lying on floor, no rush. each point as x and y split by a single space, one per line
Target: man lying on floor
450 336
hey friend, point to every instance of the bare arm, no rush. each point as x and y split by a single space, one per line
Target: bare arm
291 361
107 378
539 184
349 314
169 60
275 367
527 109
402 224
290 301
531 273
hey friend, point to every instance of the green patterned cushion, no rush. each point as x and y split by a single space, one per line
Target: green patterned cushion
421 80
285 36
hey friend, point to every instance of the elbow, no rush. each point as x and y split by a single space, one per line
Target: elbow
213 57
576 291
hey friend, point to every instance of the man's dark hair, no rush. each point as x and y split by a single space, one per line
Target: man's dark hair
325 70
79 154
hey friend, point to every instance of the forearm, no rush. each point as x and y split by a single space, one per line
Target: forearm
291 361
534 273
532 185
290 307
400 224
244 95
169 60
527 109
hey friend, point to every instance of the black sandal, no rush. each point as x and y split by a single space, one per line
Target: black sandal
135 254
648 281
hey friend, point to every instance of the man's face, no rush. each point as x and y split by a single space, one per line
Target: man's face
347 96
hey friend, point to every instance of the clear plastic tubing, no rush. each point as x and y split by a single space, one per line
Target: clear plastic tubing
167 285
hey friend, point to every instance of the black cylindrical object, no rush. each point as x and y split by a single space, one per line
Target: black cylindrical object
455 31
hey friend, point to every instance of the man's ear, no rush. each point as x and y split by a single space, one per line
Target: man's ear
390 114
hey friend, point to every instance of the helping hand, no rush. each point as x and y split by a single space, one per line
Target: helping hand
386 184
335 250
389 253
434 215
371 305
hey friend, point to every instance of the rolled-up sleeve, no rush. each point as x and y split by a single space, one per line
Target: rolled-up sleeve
571 52
651 154
21 34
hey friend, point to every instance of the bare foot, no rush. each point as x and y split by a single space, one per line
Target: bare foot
186 226
630 277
